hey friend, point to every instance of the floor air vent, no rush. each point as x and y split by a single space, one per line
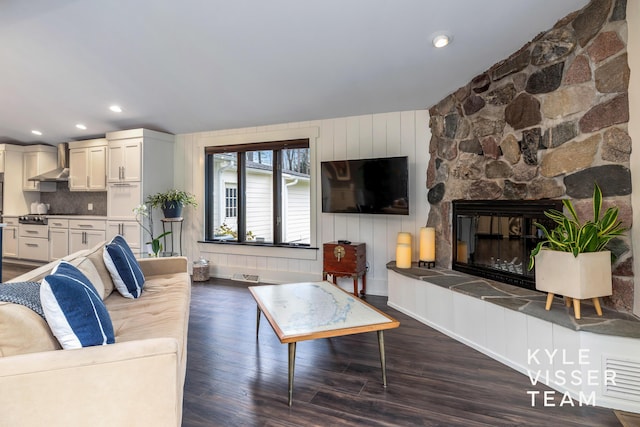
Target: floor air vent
626 384
240 277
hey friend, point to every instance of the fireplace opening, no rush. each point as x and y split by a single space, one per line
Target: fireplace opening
494 238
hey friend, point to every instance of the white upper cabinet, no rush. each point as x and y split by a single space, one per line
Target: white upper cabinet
88 165
125 160
139 163
38 159
2 161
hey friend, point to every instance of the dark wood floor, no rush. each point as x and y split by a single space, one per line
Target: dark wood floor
11 270
235 380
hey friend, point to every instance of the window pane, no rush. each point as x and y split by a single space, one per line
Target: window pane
231 201
296 196
259 193
225 196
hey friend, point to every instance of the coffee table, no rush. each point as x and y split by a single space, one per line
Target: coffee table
311 310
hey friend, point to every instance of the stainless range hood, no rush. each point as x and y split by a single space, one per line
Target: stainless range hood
61 173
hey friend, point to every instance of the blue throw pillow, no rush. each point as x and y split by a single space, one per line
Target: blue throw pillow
124 268
74 310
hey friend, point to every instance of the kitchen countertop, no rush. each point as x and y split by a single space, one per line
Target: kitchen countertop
72 216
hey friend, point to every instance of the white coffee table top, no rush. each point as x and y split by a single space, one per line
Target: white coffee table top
310 310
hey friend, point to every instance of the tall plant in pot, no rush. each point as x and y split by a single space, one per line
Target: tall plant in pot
171 202
572 260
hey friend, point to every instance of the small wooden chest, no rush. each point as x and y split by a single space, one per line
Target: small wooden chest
345 260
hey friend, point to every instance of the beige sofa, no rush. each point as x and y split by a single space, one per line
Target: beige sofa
138 381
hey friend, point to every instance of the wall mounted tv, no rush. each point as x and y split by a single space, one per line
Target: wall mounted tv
370 186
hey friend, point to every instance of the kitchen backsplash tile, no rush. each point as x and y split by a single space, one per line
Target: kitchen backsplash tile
63 201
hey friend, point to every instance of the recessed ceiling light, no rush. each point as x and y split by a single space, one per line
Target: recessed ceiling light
81 126
36 132
116 109
441 40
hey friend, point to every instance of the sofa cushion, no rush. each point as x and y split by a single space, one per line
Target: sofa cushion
123 266
86 266
95 254
22 330
160 313
74 310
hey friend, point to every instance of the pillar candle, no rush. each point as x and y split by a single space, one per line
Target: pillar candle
427 244
404 237
403 255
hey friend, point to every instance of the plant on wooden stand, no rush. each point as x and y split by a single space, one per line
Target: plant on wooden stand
588 274
172 201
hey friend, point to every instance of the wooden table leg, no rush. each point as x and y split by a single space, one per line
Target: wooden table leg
292 363
567 301
355 285
383 362
258 321
364 284
549 301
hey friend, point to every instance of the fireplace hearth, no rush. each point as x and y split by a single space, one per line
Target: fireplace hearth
494 238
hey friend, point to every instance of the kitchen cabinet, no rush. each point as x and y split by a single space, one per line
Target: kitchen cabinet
130 230
88 165
15 201
38 159
2 161
122 198
125 160
34 242
10 237
140 163
58 238
85 234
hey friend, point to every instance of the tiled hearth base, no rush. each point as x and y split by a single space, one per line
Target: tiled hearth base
511 325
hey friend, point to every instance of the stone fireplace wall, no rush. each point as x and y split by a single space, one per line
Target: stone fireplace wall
547 122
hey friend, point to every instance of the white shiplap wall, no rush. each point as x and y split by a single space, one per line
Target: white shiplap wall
379 135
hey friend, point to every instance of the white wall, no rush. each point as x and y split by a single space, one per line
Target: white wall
379 135
633 51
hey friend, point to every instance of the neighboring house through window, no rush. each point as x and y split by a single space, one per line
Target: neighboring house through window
231 200
259 193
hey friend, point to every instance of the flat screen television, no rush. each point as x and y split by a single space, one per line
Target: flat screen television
369 186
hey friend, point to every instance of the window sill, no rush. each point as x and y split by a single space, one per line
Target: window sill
260 249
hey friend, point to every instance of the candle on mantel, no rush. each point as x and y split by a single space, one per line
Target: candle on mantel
403 255
404 237
427 245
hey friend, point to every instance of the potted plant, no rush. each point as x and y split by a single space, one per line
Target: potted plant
572 260
155 245
171 202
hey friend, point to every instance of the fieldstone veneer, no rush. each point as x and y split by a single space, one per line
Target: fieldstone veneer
547 122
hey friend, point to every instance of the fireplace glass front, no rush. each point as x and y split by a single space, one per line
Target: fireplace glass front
494 238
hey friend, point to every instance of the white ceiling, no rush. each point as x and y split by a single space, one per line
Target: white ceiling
196 65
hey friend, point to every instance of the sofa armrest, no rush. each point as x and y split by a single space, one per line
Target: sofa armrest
160 266
129 383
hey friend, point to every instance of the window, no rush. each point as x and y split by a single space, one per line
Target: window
230 201
259 193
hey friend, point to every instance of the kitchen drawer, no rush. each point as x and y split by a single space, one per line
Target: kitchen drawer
58 223
30 230
10 221
87 224
34 249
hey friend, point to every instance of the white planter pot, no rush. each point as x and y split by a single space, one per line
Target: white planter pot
583 277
